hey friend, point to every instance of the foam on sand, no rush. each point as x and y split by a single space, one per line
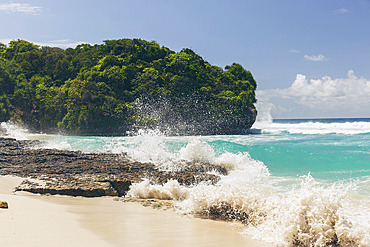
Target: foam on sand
44 221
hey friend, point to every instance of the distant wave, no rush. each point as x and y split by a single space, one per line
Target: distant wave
265 124
315 127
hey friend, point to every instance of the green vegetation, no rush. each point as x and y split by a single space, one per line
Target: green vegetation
108 88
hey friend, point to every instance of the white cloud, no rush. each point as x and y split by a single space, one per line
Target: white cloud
315 58
325 97
5 41
293 51
20 8
341 11
63 43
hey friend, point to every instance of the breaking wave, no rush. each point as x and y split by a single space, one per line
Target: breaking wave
316 127
311 214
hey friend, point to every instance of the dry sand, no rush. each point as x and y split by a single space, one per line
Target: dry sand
35 220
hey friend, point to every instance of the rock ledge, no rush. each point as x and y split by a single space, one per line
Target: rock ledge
51 171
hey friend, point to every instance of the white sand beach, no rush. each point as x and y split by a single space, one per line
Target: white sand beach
39 220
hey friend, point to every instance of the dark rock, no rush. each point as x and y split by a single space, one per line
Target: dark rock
121 186
52 171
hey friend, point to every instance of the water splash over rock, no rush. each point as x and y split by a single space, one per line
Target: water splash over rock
86 174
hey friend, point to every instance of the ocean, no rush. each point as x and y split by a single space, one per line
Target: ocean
299 182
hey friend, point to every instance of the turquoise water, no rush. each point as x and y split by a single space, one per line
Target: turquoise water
332 157
298 179
329 149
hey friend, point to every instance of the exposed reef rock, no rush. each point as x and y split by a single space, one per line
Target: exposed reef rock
51 171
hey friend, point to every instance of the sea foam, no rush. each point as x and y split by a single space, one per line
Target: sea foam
310 214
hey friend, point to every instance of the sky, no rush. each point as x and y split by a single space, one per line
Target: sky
310 58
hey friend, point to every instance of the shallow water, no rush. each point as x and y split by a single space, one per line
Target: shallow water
300 182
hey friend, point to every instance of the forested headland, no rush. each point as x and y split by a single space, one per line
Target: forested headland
121 85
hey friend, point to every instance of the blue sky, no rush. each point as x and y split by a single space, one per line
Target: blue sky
310 58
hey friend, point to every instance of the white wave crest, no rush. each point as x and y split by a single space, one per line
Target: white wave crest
242 168
310 215
198 150
311 127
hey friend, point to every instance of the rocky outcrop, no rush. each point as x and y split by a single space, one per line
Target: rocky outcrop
51 171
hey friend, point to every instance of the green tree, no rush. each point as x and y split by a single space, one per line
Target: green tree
18 47
102 88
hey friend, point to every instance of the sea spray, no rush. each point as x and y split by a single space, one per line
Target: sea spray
152 146
148 146
195 114
264 115
198 150
312 214
171 190
309 216
13 130
145 146
19 132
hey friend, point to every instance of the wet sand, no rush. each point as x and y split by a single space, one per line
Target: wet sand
36 220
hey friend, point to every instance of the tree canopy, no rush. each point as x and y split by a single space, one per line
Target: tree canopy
108 88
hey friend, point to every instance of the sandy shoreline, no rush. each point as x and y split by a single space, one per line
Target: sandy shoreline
30 221
35 220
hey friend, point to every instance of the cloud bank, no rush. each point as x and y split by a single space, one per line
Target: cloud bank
325 97
24 8
63 43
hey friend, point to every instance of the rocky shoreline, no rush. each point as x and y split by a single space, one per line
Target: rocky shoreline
52 171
